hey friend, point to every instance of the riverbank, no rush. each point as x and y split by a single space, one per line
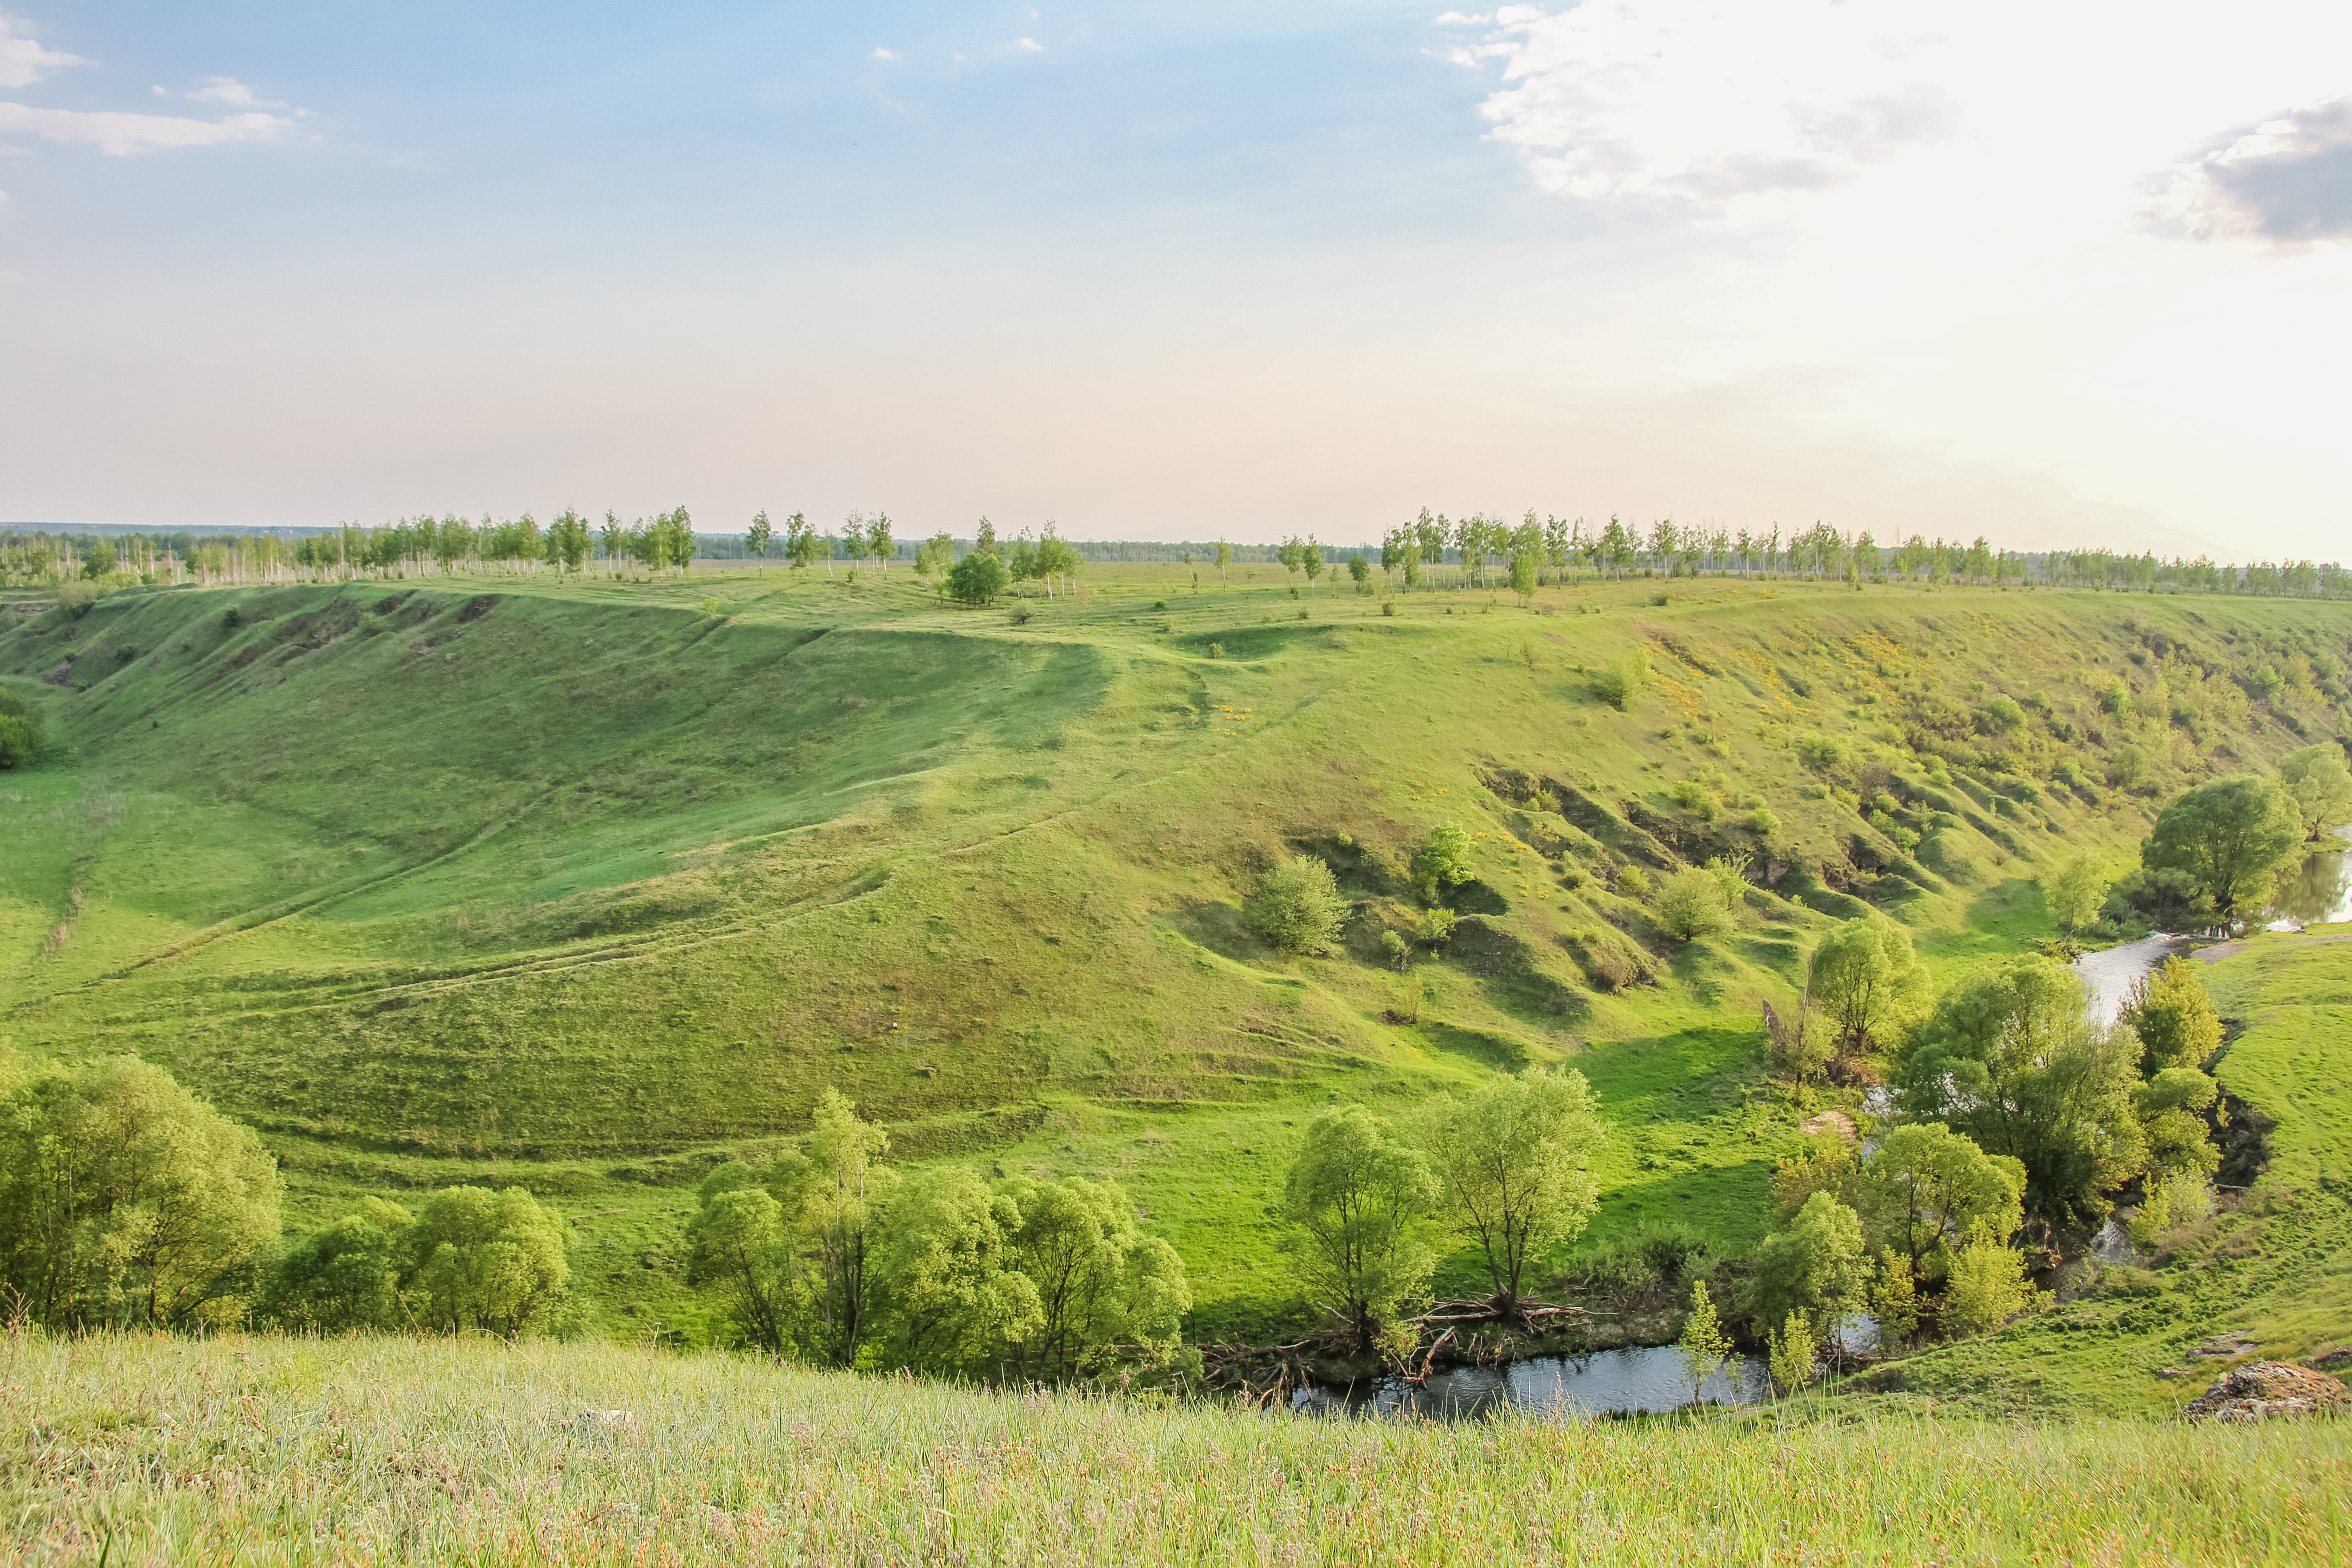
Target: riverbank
369 1450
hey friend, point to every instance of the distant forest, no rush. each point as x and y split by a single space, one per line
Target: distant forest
1473 550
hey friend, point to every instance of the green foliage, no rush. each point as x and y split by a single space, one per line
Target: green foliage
481 1260
1443 862
1514 1156
1791 1353
2318 781
1299 908
957 1294
1925 1187
1822 753
77 599
2076 894
1895 1300
20 730
1697 799
1988 1286
1622 684
2234 836
1703 1348
980 577
1632 882
343 1276
1868 982
1690 905
1357 1196
1395 950
1099 1281
2002 717
2009 1059
1761 822
1816 1266
2169 1011
126 1200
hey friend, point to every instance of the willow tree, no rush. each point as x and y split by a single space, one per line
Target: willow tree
1512 1159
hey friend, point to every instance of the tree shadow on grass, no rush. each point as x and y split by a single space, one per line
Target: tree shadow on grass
1219 926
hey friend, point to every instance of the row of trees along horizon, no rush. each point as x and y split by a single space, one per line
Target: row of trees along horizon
1431 551
2018 1122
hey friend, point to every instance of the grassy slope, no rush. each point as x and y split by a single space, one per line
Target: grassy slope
430 1451
582 887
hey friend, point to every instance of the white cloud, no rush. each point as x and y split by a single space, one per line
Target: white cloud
230 91
125 135
883 54
23 61
2288 180
1029 46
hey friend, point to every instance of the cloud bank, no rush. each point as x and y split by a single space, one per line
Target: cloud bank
2288 180
23 61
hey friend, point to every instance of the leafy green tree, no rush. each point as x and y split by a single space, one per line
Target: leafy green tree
1925 1187
1099 1281
2234 836
1292 554
738 1246
978 578
1359 573
2172 1015
852 539
20 730
126 1200
801 545
1868 982
1310 560
483 1259
2009 1058
2172 1106
1512 1158
843 1198
2319 784
878 543
567 541
755 539
1689 905
1895 1299
1224 560
1987 1286
955 1290
1527 572
1703 1348
1816 1266
343 1276
984 538
1358 1197
1791 1353
2076 894
1443 862
1299 908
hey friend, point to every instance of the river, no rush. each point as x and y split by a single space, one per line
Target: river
1644 1378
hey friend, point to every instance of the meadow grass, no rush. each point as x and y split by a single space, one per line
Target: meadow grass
364 1451
581 886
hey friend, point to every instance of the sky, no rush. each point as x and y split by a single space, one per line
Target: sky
2056 276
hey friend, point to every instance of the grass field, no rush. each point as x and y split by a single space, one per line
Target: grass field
587 885
359 1451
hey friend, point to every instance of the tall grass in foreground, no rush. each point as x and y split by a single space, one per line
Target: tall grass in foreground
390 1450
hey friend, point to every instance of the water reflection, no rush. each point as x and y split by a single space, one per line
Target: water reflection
1648 1377
2319 891
2109 974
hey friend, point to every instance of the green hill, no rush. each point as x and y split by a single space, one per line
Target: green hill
587 885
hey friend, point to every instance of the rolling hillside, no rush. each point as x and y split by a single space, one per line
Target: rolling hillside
586 886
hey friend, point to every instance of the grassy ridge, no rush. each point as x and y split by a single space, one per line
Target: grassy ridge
584 885
416 1452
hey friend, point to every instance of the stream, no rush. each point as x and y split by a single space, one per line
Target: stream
1642 1378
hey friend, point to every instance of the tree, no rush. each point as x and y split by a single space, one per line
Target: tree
2173 1016
755 540
126 1200
20 731
2234 836
852 539
1292 554
1791 1353
2009 1058
567 541
1703 1348
1358 1197
956 1295
2076 894
2319 784
1868 982
484 1260
740 1247
878 543
1359 573
842 1196
1310 560
1816 1266
1526 572
1443 862
1987 1286
1099 1281
984 537
1925 1187
978 578
1224 560
1690 905
1512 1159
344 1276
1299 908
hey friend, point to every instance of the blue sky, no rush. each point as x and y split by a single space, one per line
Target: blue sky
1163 271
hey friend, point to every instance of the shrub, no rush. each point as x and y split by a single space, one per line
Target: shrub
1632 882
1690 905
1622 684
1988 1286
77 599
2114 698
1761 822
20 731
978 578
1437 927
1822 752
1443 862
2001 716
1697 799
1298 909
